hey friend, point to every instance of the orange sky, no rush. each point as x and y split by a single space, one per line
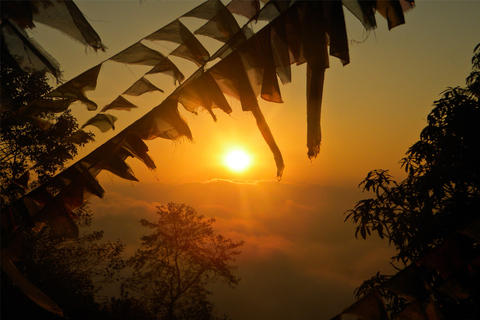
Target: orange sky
300 260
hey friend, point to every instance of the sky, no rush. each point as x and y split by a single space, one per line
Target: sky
300 259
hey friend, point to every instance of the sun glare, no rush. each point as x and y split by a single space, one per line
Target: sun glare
237 160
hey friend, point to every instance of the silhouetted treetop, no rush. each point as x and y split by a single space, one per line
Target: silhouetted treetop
175 263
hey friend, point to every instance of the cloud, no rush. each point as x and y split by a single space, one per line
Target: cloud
300 259
278 288
119 215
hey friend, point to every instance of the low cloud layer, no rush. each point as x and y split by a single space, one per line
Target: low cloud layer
300 259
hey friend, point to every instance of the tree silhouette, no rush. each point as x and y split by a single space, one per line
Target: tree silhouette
174 264
71 272
31 143
439 196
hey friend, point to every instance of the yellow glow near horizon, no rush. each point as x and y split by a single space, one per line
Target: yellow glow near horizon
237 160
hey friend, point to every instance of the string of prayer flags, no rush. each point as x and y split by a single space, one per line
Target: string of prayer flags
303 38
295 32
245 67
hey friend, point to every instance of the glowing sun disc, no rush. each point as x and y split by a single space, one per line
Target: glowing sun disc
237 160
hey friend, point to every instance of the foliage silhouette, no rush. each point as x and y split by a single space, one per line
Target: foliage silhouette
34 146
175 263
71 272
37 143
439 196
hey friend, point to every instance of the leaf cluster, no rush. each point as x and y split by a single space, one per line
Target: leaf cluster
441 192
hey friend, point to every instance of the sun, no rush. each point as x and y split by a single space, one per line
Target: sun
237 160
